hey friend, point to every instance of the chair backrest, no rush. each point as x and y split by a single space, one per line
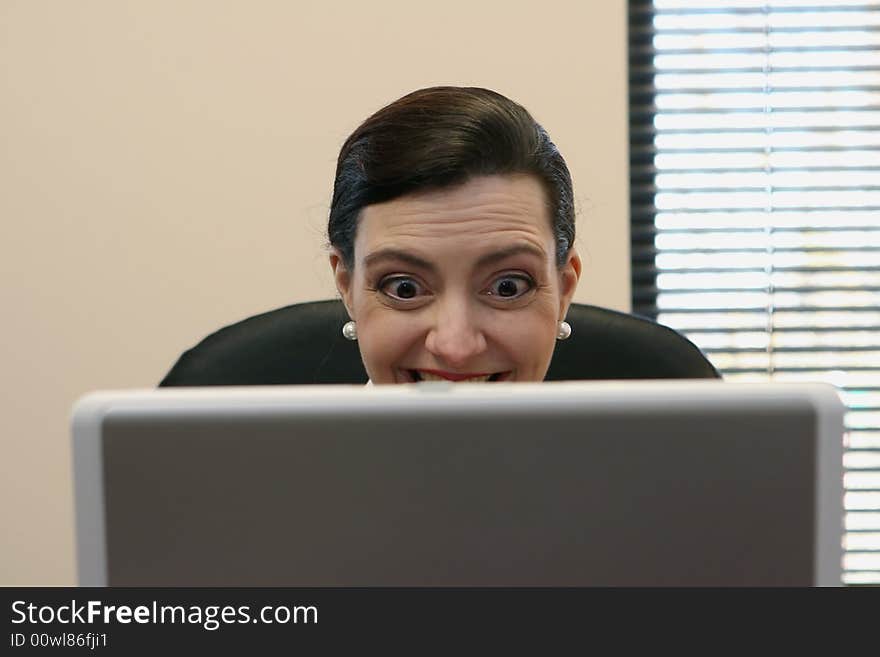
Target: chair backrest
303 344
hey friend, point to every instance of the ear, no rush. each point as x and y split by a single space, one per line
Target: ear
569 274
343 278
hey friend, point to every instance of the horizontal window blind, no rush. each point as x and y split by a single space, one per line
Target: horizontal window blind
755 198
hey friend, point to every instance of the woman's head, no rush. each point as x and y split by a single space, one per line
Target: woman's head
451 230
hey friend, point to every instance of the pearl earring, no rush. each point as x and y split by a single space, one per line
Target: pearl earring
563 330
350 331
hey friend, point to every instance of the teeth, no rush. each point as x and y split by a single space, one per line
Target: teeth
433 377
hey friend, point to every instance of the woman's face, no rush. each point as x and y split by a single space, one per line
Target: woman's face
458 283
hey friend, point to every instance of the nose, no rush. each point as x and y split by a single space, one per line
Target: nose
455 338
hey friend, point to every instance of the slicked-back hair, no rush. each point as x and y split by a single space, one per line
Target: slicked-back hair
441 137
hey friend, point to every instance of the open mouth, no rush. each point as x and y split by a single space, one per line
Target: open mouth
432 375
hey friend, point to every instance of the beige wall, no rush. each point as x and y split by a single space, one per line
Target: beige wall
166 167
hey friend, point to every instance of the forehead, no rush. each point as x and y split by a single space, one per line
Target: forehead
482 210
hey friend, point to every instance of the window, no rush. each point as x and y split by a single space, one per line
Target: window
755 195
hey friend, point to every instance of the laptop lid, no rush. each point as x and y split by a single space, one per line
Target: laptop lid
684 483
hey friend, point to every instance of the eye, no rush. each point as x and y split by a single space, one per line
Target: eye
510 287
401 288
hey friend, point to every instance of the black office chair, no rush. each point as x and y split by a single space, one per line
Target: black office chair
303 343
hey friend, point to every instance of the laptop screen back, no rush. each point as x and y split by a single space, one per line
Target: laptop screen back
472 494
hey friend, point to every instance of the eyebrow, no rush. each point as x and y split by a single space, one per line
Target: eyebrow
488 259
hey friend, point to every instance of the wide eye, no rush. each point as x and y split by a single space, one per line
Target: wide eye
510 287
401 288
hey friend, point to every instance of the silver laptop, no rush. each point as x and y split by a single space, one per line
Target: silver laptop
666 483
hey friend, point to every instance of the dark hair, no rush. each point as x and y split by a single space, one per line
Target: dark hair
440 137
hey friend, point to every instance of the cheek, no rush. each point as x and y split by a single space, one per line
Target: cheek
385 339
530 339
